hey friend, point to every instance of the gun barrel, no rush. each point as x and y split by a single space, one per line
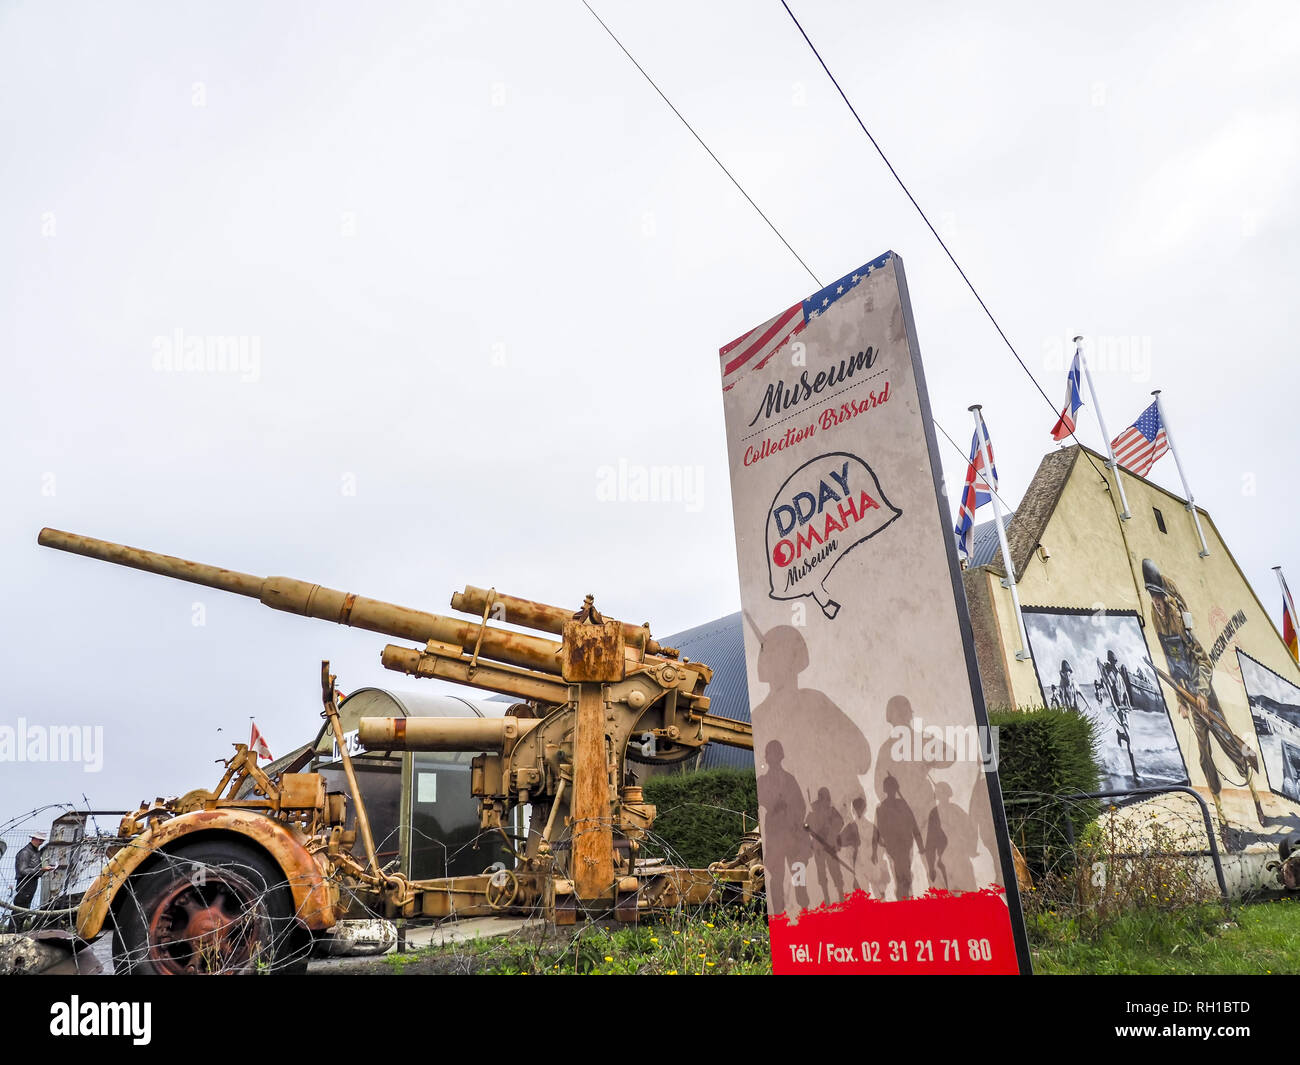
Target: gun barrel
326 604
533 615
495 734
227 580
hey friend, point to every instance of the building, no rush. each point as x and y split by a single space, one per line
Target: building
1168 649
1166 645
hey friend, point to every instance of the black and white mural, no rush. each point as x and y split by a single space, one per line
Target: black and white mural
1275 709
1097 662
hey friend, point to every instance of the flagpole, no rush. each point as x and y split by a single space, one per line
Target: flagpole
1191 503
1010 580
1105 433
1286 600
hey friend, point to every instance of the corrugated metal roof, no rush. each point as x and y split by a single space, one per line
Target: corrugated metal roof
984 541
721 645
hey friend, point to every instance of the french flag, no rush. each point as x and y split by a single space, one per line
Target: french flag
1073 401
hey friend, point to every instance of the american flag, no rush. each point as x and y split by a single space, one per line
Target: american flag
974 495
755 349
1138 446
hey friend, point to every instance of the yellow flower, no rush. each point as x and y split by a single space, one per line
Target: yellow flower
608 958
700 954
708 924
672 972
676 933
709 964
654 939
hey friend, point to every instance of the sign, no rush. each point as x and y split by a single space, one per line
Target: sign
884 838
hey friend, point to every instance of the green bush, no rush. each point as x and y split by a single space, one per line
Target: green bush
1048 751
701 815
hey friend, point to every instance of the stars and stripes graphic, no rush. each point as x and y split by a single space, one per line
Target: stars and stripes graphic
1138 446
975 494
1288 617
1065 424
257 743
755 349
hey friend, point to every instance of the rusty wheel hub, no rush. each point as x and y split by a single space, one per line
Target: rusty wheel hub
215 922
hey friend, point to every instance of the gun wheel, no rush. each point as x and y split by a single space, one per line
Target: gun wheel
214 907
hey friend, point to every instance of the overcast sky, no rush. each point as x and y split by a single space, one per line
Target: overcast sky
473 259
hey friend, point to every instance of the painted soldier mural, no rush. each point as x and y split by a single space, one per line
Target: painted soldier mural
1191 675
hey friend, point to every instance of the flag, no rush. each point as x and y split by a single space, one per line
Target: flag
257 743
1073 401
1288 620
1138 446
755 349
974 495
1288 632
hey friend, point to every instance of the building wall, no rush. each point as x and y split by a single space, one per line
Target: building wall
1095 565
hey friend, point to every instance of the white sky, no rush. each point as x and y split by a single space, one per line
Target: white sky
481 259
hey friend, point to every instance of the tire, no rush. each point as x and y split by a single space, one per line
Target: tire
211 907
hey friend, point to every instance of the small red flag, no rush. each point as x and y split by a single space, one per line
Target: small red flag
1288 632
257 744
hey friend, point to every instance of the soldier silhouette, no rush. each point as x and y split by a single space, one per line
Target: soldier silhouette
785 840
868 874
910 762
824 825
951 843
821 742
896 830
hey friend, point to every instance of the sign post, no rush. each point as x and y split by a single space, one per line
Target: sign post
884 838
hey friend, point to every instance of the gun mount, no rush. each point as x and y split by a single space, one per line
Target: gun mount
604 694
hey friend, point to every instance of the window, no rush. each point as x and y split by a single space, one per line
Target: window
1160 520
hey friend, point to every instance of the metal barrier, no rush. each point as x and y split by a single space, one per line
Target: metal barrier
1063 799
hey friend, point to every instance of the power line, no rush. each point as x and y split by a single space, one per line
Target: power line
771 225
951 258
665 99
966 459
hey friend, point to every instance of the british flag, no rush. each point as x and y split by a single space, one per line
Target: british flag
755 349
975 493
1138 446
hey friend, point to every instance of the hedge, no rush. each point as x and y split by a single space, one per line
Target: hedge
1049 751
701 815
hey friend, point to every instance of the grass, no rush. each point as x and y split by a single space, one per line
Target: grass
1256 939
703 943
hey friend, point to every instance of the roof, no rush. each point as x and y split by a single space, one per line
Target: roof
720 644
1035 510
984 541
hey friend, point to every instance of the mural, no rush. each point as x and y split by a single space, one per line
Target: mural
1097 663
1275 709
1188 670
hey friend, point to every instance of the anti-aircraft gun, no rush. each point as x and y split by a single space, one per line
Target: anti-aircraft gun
603 694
